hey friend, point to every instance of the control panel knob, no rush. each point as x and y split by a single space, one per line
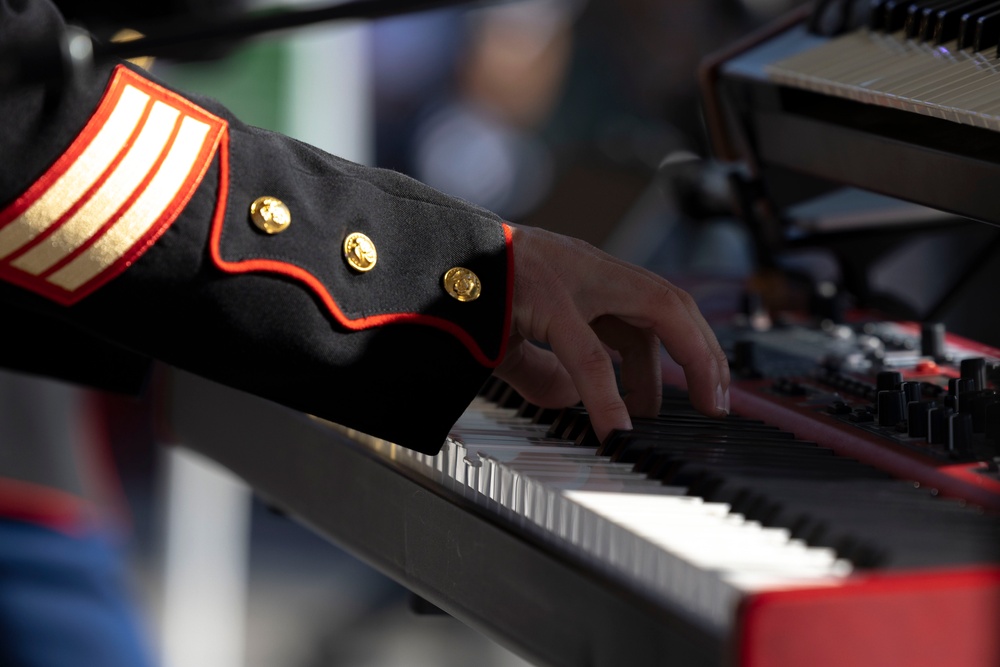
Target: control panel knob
912 391
974 403
891 407
960 385
888 380
960 434
992 414
932 336
958 389
916 418
937 425
975 369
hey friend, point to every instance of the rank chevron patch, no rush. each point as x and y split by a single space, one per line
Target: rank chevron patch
116 189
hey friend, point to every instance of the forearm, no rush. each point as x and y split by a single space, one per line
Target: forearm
197 284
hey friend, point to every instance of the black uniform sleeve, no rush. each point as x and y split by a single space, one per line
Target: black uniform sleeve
126 214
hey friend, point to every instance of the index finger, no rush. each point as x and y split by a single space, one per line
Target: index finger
589 365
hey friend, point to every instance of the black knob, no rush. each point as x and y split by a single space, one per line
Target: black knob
888 380
510 398
913 391
937 425
891 406
960 434
932 339
975 369
960 385
959 388
975 404
993 421
916 418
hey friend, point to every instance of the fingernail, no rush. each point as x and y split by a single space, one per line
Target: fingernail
721 399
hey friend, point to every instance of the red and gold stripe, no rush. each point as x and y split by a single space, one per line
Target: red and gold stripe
116 189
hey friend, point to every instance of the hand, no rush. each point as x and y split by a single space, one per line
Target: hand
581 301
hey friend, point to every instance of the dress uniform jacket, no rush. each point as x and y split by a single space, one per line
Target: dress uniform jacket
138 222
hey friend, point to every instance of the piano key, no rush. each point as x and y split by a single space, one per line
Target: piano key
949 19
734 506
894 15
918 16
967 27
529 477
873 68
876 15
932 19
987 32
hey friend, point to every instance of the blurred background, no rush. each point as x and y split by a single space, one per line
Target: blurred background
553 113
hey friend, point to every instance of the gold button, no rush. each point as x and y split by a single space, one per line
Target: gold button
360 252
270 215
462 284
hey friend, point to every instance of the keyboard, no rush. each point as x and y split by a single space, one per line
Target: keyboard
687 541
890 109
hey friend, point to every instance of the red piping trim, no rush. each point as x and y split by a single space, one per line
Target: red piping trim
360 324
508 237
33 503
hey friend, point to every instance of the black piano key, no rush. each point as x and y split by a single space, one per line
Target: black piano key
894 15
908 533
968 14
564 421
626 448
492 388
654 461
731 421
588 438
510 398
546 416
665 422
876 14
952 22
987 31
929 18
684 475
528 410
576 427
924 16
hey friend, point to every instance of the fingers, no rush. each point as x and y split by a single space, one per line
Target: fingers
640 364
642 276
671 314
538 376
573 296
589 365
695 314
696 351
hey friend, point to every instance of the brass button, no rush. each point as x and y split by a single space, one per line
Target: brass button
270 215
360 252
462 284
